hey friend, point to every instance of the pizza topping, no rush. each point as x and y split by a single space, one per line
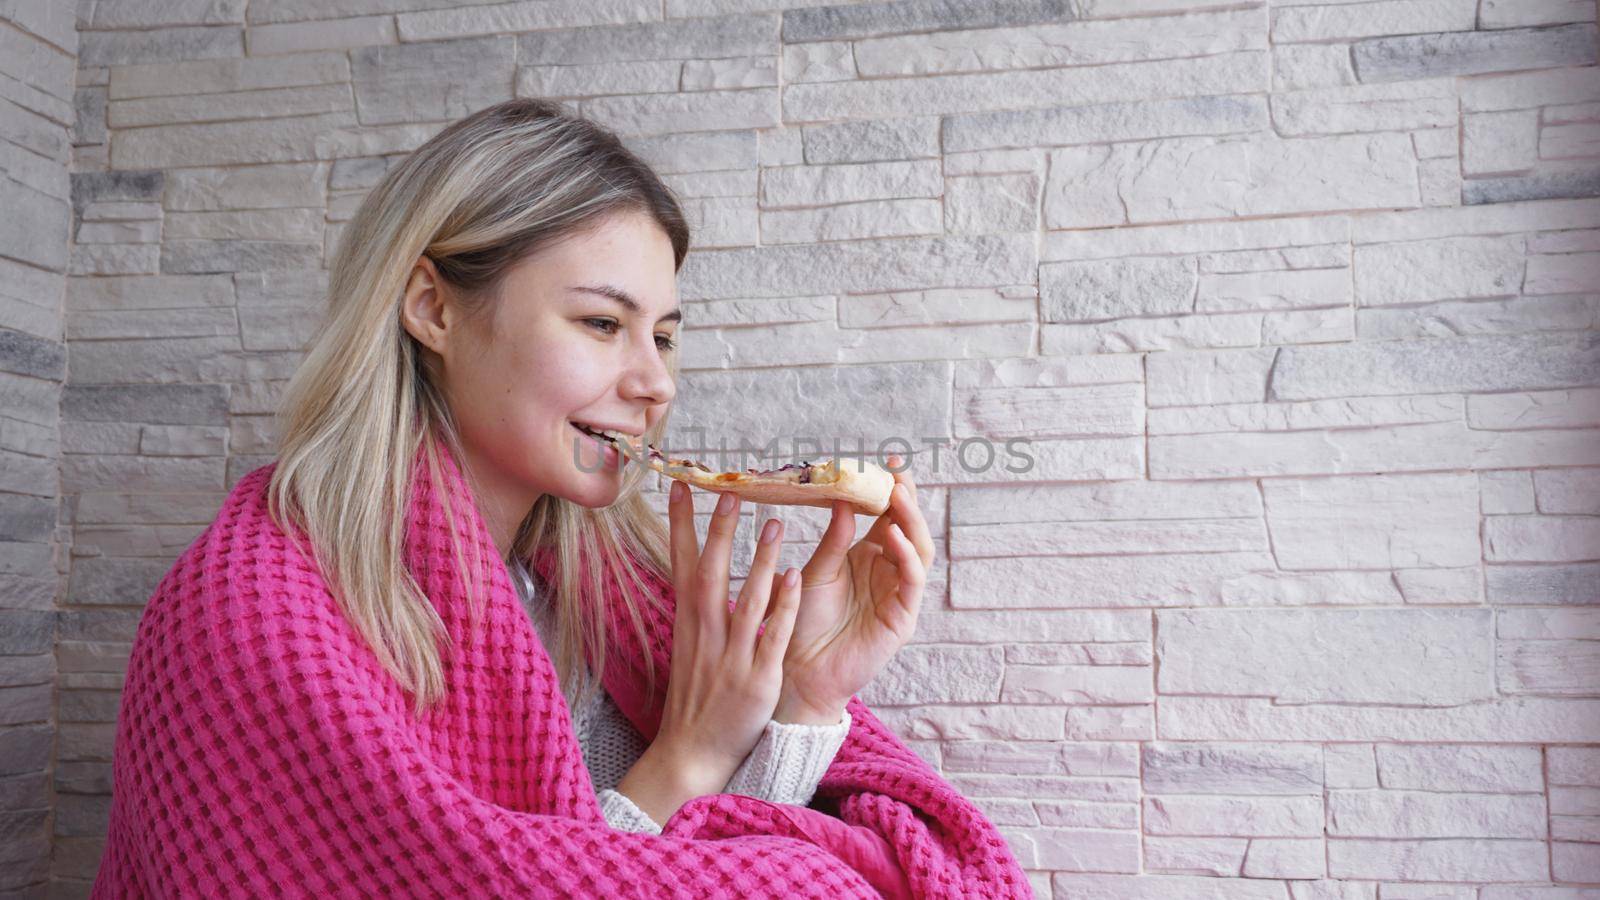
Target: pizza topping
657 456
803 466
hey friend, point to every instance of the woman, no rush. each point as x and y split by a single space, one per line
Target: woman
335 689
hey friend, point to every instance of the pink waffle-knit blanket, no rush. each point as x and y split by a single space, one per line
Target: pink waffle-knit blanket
261 750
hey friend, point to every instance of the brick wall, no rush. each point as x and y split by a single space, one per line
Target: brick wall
38 47
1295 302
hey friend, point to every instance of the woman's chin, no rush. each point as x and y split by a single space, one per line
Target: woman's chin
594 498
594 487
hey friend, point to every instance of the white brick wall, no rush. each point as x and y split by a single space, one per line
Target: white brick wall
1295 300
38 50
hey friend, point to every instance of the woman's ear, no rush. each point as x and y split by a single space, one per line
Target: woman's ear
422 308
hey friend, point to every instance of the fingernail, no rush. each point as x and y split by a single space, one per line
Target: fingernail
725 505
791 577
677 491
770 532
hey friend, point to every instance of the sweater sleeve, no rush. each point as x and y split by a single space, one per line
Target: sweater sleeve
784 766
788 761
624 815
611 746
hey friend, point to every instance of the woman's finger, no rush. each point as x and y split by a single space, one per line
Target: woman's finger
828 559
780 625
685 546
757 592
912 519
908 515
908 599
711 572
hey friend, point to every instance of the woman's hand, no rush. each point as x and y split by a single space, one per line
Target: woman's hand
858 606
725 678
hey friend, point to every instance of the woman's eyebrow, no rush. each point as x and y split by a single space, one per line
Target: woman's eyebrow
623 297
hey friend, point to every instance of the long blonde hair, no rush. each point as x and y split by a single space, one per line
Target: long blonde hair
476 198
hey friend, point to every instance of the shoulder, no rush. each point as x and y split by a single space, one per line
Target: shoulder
244 610
243 572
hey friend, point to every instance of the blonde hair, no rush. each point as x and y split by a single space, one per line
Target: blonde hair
476 198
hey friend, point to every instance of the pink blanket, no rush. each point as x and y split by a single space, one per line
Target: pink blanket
261 749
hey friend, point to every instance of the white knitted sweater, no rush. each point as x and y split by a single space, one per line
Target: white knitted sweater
784 766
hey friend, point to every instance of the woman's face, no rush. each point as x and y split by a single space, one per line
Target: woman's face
557 349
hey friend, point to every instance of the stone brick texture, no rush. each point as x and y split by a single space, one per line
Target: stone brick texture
1246 351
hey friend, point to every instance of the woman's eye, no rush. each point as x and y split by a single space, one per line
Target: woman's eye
610 326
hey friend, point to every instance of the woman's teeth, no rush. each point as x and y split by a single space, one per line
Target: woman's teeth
597 435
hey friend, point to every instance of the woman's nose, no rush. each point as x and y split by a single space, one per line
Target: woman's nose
649 378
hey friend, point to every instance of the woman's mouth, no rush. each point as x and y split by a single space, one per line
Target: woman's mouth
604 445
592 434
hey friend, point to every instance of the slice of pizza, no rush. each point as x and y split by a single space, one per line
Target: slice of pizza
858 481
